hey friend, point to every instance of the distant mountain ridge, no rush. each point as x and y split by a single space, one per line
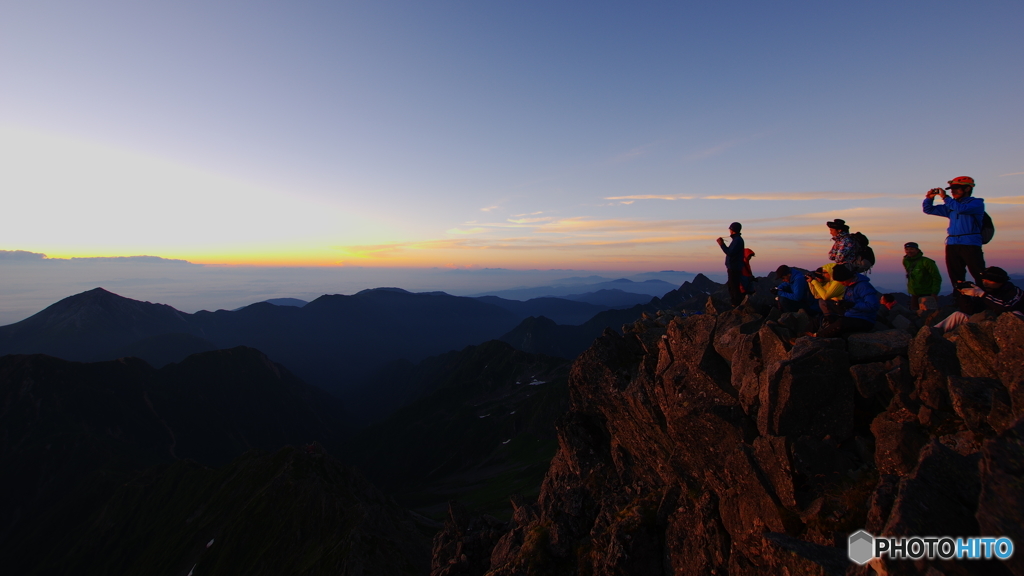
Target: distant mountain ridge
334 342
544 336
580 286
330 342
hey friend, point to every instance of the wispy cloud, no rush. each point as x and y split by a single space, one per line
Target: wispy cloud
799 196
530 220
1011 174
650 197
489 208
762 196
1006 199
794 238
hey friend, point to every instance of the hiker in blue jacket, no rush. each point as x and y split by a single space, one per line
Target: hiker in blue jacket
859 305
792 291
734 262
963 236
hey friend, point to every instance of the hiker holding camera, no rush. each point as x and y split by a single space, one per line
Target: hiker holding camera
822 286
964 235
792 292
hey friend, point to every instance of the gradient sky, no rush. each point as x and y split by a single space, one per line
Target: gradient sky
585 135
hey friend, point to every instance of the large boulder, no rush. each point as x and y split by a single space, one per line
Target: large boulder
869 379
975 399
1009 337
731 327
977 350
867 346
932 360
809 393
939 496
898 440
1001 501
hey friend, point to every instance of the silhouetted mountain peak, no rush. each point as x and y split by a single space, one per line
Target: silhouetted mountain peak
93 305
702 282
80 326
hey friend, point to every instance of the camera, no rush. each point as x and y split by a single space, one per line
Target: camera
774 291
962 284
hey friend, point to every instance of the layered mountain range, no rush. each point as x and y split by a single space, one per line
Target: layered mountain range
335 342
686 437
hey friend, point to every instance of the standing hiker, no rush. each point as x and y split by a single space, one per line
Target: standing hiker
844 250
734 262
923 279
963 236
747 287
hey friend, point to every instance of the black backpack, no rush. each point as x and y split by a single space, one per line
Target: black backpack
988 229
863 252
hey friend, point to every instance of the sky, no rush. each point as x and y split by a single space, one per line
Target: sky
519 135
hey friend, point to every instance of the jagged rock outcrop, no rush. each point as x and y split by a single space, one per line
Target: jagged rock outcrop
724 444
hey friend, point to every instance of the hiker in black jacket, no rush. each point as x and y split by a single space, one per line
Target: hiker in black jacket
734 262
996 294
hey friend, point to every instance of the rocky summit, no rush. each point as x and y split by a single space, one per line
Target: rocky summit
726 443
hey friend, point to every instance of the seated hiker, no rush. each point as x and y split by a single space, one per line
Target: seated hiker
858 308
793 292
895 314
997 294
823 288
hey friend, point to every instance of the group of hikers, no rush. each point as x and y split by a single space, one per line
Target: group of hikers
839 296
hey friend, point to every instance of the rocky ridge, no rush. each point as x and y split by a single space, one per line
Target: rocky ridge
723 443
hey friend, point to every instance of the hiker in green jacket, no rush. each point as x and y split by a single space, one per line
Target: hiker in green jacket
923 279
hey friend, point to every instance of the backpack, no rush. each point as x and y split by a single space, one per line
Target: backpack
988 229
864 256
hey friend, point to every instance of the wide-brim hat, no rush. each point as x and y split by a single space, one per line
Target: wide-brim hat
837 224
